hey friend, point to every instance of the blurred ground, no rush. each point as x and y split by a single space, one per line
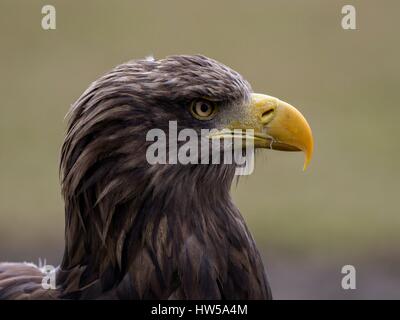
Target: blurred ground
343 210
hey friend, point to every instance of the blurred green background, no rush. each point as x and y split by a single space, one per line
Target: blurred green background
343 210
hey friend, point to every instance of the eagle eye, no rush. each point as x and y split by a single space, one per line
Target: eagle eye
203 109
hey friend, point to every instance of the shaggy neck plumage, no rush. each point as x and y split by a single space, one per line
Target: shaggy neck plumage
106 232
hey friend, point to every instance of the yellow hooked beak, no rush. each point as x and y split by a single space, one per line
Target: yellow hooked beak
277 125
281 126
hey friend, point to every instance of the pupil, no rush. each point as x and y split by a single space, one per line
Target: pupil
204 107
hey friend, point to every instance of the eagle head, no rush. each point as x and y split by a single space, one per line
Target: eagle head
165 230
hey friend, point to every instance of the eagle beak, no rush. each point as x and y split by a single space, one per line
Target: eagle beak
280 126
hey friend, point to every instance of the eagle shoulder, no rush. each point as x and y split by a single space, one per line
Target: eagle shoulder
23 281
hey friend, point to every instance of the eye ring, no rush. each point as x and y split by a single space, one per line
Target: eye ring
203 109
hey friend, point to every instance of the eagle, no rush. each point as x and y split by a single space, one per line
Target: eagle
135 230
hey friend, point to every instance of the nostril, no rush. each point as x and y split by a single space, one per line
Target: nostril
267 113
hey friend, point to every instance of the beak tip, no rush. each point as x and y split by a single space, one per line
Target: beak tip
305 165
307 159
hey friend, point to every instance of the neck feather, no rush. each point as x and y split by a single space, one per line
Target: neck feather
110 223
